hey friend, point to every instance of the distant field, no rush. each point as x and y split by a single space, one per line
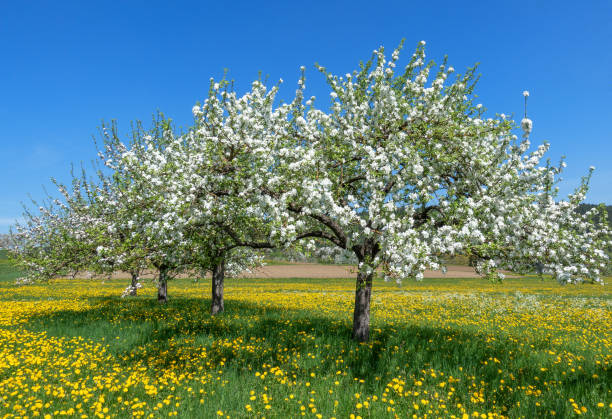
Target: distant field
441 347
316 270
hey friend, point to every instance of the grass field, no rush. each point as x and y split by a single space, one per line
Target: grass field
439 348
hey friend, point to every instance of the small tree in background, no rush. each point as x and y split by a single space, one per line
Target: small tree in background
187 185
138 198
44 246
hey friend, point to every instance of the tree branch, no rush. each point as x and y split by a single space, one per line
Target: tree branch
421 217
322 235
326 221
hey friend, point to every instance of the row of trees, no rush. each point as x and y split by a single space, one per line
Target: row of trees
401 168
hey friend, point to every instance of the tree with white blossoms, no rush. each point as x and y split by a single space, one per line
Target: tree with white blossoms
403 168
54 239
36 244
180 231
98 234
115 249
133 218
71 236
189 179
141 201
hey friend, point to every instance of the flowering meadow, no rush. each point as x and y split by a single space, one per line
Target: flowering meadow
438 348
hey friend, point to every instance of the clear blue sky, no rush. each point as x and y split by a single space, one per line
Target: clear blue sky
68 65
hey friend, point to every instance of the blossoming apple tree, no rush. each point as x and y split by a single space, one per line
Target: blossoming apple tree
182 212
402 168
72 235
43 245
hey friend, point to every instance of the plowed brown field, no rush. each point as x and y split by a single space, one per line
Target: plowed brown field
313 270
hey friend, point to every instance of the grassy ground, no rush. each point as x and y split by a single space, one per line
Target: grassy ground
7 272
439 348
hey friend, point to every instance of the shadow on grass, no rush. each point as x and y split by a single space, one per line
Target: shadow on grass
248 335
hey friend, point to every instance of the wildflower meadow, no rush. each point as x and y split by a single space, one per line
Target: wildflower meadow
282 349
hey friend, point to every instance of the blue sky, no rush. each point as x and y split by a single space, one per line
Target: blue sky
66 66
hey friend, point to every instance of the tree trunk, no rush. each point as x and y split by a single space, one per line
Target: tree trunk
361 315
218 277
162 286
134 290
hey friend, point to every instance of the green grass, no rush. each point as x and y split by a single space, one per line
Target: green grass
8 272
520 349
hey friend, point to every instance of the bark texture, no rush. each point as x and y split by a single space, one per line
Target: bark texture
134 290
162 286
218 277
361 314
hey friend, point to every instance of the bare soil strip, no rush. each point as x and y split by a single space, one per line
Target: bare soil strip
313 270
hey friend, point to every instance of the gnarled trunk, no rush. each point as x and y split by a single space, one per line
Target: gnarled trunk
135 279
361 313
218 277
162 285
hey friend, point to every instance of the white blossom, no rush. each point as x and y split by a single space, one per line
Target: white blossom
526 126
